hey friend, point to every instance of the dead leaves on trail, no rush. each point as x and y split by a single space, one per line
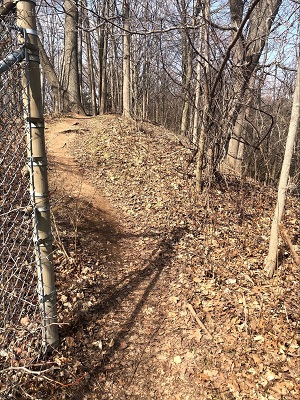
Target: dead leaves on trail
184 311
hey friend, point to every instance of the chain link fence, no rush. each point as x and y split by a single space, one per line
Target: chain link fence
22 311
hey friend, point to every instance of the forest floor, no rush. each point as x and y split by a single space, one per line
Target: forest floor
161 292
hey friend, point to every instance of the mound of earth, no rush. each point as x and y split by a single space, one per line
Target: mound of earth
162 293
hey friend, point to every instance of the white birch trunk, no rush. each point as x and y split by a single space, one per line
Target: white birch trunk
271 260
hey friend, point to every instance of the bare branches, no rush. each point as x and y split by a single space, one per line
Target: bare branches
232 44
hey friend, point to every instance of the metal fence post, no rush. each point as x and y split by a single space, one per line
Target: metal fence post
37 165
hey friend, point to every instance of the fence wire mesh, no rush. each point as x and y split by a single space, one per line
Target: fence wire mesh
21 330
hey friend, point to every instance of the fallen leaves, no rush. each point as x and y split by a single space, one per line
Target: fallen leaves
177 359
127 305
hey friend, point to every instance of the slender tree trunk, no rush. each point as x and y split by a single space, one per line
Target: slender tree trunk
102 58
91 73
79 48
71 73
187 94
113 92
196 120
115 74
206 102
90 61
126 60
271 260
134 79
187 68
103 104
145 99
186 82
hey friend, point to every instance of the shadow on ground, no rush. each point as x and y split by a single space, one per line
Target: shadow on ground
104 296
113 287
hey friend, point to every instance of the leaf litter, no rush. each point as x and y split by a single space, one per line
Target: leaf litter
164 295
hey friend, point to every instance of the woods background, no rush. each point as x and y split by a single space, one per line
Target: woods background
221 74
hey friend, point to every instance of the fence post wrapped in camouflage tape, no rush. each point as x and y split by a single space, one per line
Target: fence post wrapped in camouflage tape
37 167
28 317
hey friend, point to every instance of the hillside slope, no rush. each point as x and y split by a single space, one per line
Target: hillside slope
162 291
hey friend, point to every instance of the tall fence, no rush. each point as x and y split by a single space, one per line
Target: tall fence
28 326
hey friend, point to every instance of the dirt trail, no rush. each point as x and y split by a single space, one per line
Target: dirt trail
85 215
59 137
114 295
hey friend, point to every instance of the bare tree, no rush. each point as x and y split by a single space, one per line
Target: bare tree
71 73
206 100
271 259
89 54
52 78
246 54
126 60
187 38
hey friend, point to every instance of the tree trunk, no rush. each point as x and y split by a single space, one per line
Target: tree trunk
115 74
187 86
246 55
135 79
196 120
91 73
90 61
113 81
145 84
270 263
103 103
52 78
102 57
126 60
71 74
206 102
236 147
187 67
79 48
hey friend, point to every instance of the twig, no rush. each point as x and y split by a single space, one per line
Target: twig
245 313
197 319
69 384
27 370
288 242
58 235
41 374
